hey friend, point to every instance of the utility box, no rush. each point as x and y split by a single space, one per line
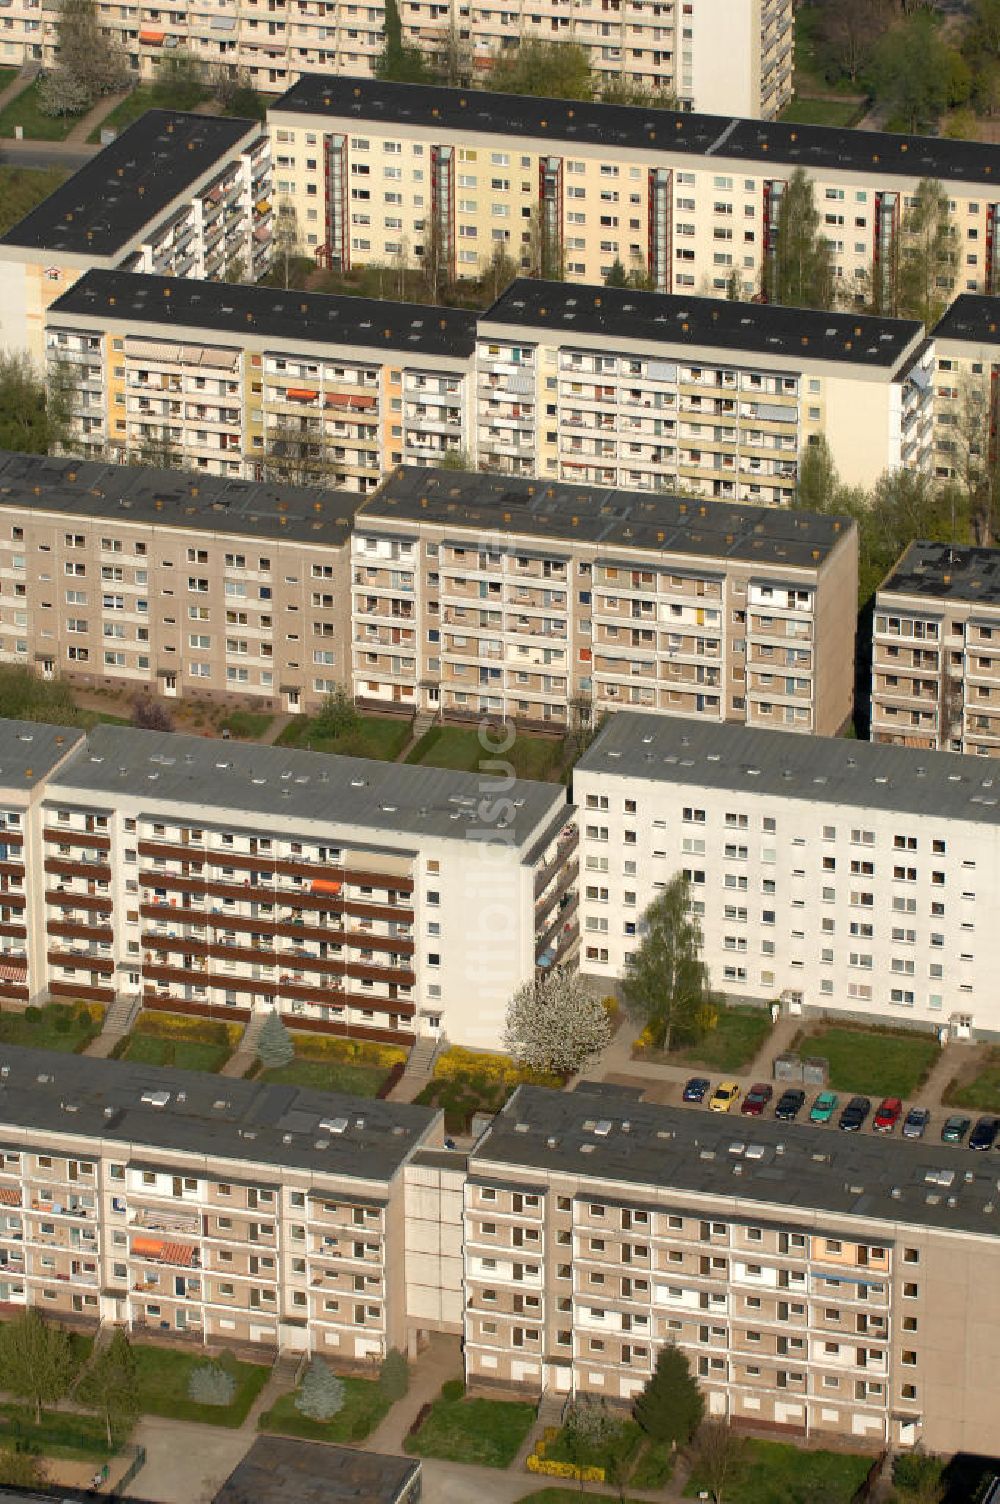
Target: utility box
787 1067
815 1071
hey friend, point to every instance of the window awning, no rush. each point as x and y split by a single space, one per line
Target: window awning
302 393
325 885
13 971
9 1196
154 38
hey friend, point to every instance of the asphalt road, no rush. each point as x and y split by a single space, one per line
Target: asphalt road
45 154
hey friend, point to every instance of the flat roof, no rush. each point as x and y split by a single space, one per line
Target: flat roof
107 203
611 126
760 1162
282 783
215 1117
227 308
176 498
946 571
972 316
659 319
29 750
278 1470
564 512
827 769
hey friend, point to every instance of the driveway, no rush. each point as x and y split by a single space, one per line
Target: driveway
186 1464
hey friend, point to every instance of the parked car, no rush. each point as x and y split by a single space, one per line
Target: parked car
790 1104
889 1112
697 1089
955 1128
984 1135
855 1114
824 1107
725 1096
757 1099
916 1122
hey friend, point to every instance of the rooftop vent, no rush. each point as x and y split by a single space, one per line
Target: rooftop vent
334 1125
155 1098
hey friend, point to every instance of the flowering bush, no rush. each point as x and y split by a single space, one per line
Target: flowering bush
540 1464
358 1051
188 1026
456 1062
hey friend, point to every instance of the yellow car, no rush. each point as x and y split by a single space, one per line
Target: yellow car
725 1095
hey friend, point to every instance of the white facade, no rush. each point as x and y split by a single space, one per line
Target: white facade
860 877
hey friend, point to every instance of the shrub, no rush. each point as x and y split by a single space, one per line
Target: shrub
32 1015
322 1394
394 1375
62 1023
210 1384
452 1390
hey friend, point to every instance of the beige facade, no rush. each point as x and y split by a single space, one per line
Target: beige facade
253 382
176 195
935 659
967 366
551 604
820 1287
675 50
692 201
285 1242
357 898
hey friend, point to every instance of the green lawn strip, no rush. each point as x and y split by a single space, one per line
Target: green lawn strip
142 98
622 1448
329 1075
66 1027
182 1054
877 1062
246 725
379 736
456 747
364 1407
981 1092
22 188
488 1433
24 111
808 111
162 1386
62 1434
654 1468
461 1096
738 1036
773 1470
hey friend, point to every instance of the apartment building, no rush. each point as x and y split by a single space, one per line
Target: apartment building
673 50
361 898
793 848
174 584
967 363
935 662
658 391
253 381
690 200
176 194
230 1213
822 1285
29 753
550 603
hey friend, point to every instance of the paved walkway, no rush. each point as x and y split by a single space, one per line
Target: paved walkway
24 80
94 117
440 1361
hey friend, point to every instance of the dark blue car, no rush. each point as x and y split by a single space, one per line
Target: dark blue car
696 1089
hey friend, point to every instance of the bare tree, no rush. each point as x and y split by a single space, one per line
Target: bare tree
718 1454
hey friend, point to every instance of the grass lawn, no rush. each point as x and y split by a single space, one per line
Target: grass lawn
21 188
379 736
488 1433
364 1407
981 1092
873 1061
60 1435
142 98
187 1043
461 1096
246 725
622 1449
654 1468
823 111
773 1470
329 1075
737 1037
561 1495
24 111
162 1386
462 748
89 718
56 1026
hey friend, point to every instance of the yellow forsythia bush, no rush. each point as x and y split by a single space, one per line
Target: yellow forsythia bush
457 1061
185 1026
309 1046
548 1469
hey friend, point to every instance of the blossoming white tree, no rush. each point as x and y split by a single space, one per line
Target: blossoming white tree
554 1024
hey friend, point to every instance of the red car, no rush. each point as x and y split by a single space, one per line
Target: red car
889 1113
756 1100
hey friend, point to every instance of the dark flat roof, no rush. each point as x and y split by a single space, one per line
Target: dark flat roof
226 308
29 750
942 569
107 203
559 510
211 1117
972 316
175 498
669 319
758 1161
819 769
816 147
278 1470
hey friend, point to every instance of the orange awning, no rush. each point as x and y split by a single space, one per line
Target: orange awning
325 885
153 1247
362 401
178 1253
337 399
302 393
147 34
9 1196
